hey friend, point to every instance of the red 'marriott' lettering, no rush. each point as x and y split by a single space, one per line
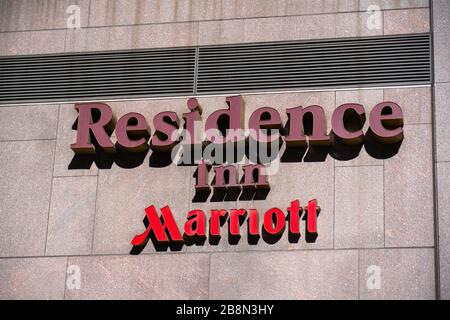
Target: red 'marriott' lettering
164 230
311 220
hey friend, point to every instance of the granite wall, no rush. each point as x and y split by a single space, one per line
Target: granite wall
441 34
61 225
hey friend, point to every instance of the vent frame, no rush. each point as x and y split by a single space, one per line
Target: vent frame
217 70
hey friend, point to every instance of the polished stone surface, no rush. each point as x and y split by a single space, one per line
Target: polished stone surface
32 278
406 21
221 32
415 103
393 4
32 42
443 174
408 191
118 221
21 15
321 274
65 163
357 24
28 122
289 28
368 98
71 223
26 175
154 36
180 276
74 217
359 212
406 274
442 115
441 30
87 39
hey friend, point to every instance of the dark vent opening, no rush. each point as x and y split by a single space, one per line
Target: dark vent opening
240 68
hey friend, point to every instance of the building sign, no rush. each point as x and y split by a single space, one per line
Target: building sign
223 145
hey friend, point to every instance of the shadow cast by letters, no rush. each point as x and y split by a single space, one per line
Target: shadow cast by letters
159 246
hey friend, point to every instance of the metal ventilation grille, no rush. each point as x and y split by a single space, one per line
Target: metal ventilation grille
372 61
97 75
362 62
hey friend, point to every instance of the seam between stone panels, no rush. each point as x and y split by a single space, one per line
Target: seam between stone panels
358 264
250 93
334 181
384 199
216 252
198 33
65 39
57 125
243 28
384 206
25 140
209 277
51 186
194 85
109 37
77 176
65 277
95 214
437 272
48 215
359 6
89 14
30 104
358 165
407 124
217 20
56 139
417 124
191 184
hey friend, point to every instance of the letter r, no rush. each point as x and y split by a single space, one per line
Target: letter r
100 129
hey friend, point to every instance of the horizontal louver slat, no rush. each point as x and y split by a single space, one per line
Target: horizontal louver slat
380 61
87 76
237 68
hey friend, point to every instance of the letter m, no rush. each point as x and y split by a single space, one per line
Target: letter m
160 226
